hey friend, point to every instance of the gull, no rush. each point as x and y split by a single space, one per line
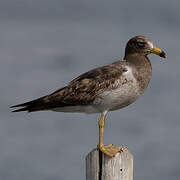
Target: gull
103 89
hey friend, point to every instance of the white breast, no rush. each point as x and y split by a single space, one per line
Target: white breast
126 93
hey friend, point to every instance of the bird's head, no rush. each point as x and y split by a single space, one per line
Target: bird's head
143 46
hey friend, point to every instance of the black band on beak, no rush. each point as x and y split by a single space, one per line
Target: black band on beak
163 54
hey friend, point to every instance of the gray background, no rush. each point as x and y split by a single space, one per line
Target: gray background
46 43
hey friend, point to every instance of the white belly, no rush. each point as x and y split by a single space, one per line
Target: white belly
88 109
118 98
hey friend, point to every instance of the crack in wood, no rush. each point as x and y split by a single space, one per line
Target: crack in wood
100 165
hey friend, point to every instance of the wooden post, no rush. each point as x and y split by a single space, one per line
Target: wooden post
101 167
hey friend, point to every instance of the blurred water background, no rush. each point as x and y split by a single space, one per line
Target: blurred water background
44 44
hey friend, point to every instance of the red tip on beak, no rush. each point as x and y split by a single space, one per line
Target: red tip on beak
163 54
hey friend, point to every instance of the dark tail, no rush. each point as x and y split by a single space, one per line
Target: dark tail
35 105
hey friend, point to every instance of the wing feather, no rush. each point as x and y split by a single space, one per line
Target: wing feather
81 91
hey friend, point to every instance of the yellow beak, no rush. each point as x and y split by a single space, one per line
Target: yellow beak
158 51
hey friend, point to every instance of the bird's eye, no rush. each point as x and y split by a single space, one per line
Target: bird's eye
140 43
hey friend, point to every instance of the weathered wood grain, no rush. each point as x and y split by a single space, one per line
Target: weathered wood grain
101 167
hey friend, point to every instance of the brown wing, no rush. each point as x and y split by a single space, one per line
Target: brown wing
81 91
85 88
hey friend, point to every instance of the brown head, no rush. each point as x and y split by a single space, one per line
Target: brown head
141 45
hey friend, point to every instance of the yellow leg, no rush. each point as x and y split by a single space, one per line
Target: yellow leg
109 150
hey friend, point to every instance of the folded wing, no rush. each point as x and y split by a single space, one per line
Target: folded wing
81 91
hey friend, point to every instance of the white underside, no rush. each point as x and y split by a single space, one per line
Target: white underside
115 99
88 109
109 101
